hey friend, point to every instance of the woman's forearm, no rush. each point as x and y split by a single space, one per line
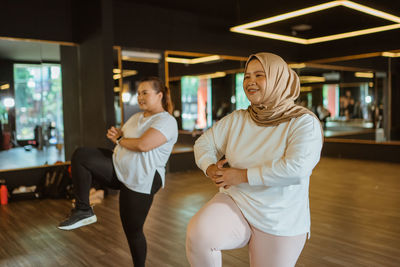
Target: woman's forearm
151 139
134 144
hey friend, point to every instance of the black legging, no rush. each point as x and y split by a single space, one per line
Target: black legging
90 164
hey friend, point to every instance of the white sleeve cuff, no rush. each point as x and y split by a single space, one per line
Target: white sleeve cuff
254 176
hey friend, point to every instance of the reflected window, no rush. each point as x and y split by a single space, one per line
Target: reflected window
330 96
38 101
241 100
196 103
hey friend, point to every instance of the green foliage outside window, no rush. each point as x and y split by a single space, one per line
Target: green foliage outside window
38 100
3 113
189 86
241 100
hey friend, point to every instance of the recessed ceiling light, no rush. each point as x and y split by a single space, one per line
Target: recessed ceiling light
305 88
217 74
364 74
312 79
5 86
302 27
390 54
297 65
193 60
139 56
246 28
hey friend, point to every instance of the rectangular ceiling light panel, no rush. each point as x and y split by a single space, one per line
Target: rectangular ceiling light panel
246 28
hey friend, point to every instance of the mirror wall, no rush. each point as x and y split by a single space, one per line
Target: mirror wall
31 113
354 92
349 95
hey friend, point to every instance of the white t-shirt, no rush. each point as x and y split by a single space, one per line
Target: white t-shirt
137 169
279 161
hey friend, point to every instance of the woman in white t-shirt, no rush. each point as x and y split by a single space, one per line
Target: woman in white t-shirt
270 151
136 166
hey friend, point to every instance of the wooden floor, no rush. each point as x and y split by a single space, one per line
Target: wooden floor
355 209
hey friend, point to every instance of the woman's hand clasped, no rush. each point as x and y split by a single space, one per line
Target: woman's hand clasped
225 177
113 134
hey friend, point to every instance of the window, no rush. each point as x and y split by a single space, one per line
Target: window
241 99
38 101
196 103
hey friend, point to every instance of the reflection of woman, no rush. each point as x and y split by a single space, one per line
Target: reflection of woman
271 149
347 102
136 167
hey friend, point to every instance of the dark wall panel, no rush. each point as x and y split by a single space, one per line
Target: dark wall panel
88 87
97 90
395 134
72 109
43 19
379 152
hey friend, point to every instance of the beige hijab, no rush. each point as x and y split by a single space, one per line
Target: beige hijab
283 87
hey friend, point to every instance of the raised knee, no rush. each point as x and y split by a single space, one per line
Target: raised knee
79 153
198 236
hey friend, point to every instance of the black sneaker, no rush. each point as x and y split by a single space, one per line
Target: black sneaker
78 218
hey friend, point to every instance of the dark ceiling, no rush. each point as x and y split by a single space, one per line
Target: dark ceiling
242 11
331 21
203 26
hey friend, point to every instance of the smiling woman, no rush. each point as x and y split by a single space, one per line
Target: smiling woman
272 87
136 166
254 82
267 176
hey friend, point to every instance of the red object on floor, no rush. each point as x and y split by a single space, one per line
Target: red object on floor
3 194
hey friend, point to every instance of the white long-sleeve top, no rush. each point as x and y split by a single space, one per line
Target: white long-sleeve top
279 161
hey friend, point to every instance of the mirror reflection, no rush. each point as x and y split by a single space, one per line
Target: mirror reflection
204 87
136 64
346 99
347 95
31 113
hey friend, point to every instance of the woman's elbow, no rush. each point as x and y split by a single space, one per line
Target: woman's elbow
144 147
298 170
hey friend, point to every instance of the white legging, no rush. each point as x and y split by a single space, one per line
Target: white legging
220 225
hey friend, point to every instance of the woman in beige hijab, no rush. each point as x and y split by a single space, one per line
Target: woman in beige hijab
270 151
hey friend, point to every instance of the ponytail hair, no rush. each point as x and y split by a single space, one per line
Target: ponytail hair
159 86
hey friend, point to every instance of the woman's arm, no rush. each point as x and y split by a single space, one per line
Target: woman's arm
301 156
162 129
149 140
211 145
225 177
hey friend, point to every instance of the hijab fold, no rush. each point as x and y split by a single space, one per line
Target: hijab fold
282 89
